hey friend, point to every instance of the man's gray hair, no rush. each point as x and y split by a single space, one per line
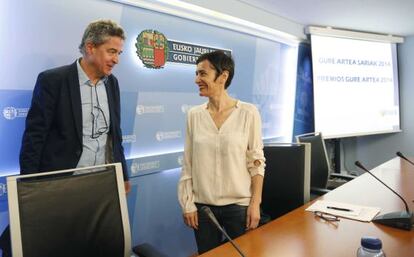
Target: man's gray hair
98 32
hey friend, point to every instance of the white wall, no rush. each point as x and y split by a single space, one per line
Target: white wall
249 13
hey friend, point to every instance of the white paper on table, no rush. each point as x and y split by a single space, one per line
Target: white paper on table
355 212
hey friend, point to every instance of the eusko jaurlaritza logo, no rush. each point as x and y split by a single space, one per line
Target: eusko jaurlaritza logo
155 50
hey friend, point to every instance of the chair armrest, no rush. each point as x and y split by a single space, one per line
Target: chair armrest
319 190
342 176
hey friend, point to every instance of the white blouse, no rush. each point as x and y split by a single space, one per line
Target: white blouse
219 163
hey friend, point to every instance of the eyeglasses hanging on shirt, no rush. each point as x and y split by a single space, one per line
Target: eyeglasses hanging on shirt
99 122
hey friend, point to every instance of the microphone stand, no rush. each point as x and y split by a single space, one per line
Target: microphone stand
213 219
401 220
399 154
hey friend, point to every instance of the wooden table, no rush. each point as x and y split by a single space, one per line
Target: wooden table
299 233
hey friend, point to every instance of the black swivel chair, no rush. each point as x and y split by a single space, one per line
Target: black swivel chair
286 183
322 180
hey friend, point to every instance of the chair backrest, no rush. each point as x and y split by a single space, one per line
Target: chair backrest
69 213
319 158
286 183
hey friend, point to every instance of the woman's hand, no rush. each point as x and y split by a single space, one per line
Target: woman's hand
253 216
191 219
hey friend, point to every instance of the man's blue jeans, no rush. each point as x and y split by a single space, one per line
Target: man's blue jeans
232 217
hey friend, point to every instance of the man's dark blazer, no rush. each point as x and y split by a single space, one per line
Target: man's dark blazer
52 139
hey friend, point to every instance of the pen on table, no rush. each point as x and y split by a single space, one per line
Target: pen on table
338 208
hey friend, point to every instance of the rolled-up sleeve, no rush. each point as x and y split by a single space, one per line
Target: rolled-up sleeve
255 146
185 184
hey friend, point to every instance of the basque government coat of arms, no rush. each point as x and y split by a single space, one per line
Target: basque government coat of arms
152 48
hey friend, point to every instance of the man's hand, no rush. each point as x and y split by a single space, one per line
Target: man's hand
127 187
191 219
253 216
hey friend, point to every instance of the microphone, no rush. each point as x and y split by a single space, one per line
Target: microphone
213 219
401 219
399 154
